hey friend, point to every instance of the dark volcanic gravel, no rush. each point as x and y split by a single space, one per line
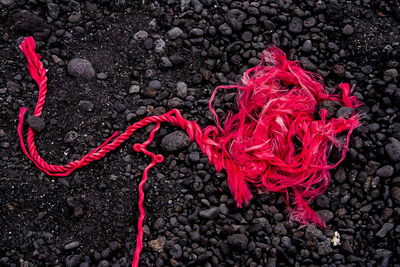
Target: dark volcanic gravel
111 63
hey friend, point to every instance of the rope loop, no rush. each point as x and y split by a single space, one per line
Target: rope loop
159 158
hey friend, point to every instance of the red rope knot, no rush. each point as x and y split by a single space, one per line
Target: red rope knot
139 147
142 148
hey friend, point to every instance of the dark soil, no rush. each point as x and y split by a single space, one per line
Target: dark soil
351 41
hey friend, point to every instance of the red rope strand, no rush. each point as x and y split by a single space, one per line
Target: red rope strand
276 104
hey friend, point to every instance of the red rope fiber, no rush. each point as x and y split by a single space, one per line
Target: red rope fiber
276 107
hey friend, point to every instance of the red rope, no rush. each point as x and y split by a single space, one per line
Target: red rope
256 147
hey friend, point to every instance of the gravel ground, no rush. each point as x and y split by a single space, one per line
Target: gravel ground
111 63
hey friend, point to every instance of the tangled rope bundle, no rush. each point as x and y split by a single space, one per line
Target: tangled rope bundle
273 142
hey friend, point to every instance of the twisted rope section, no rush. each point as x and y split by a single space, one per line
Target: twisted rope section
38 73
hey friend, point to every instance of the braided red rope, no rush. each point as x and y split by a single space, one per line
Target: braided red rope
256 146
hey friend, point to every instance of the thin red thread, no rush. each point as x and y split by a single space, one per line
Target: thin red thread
276 104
